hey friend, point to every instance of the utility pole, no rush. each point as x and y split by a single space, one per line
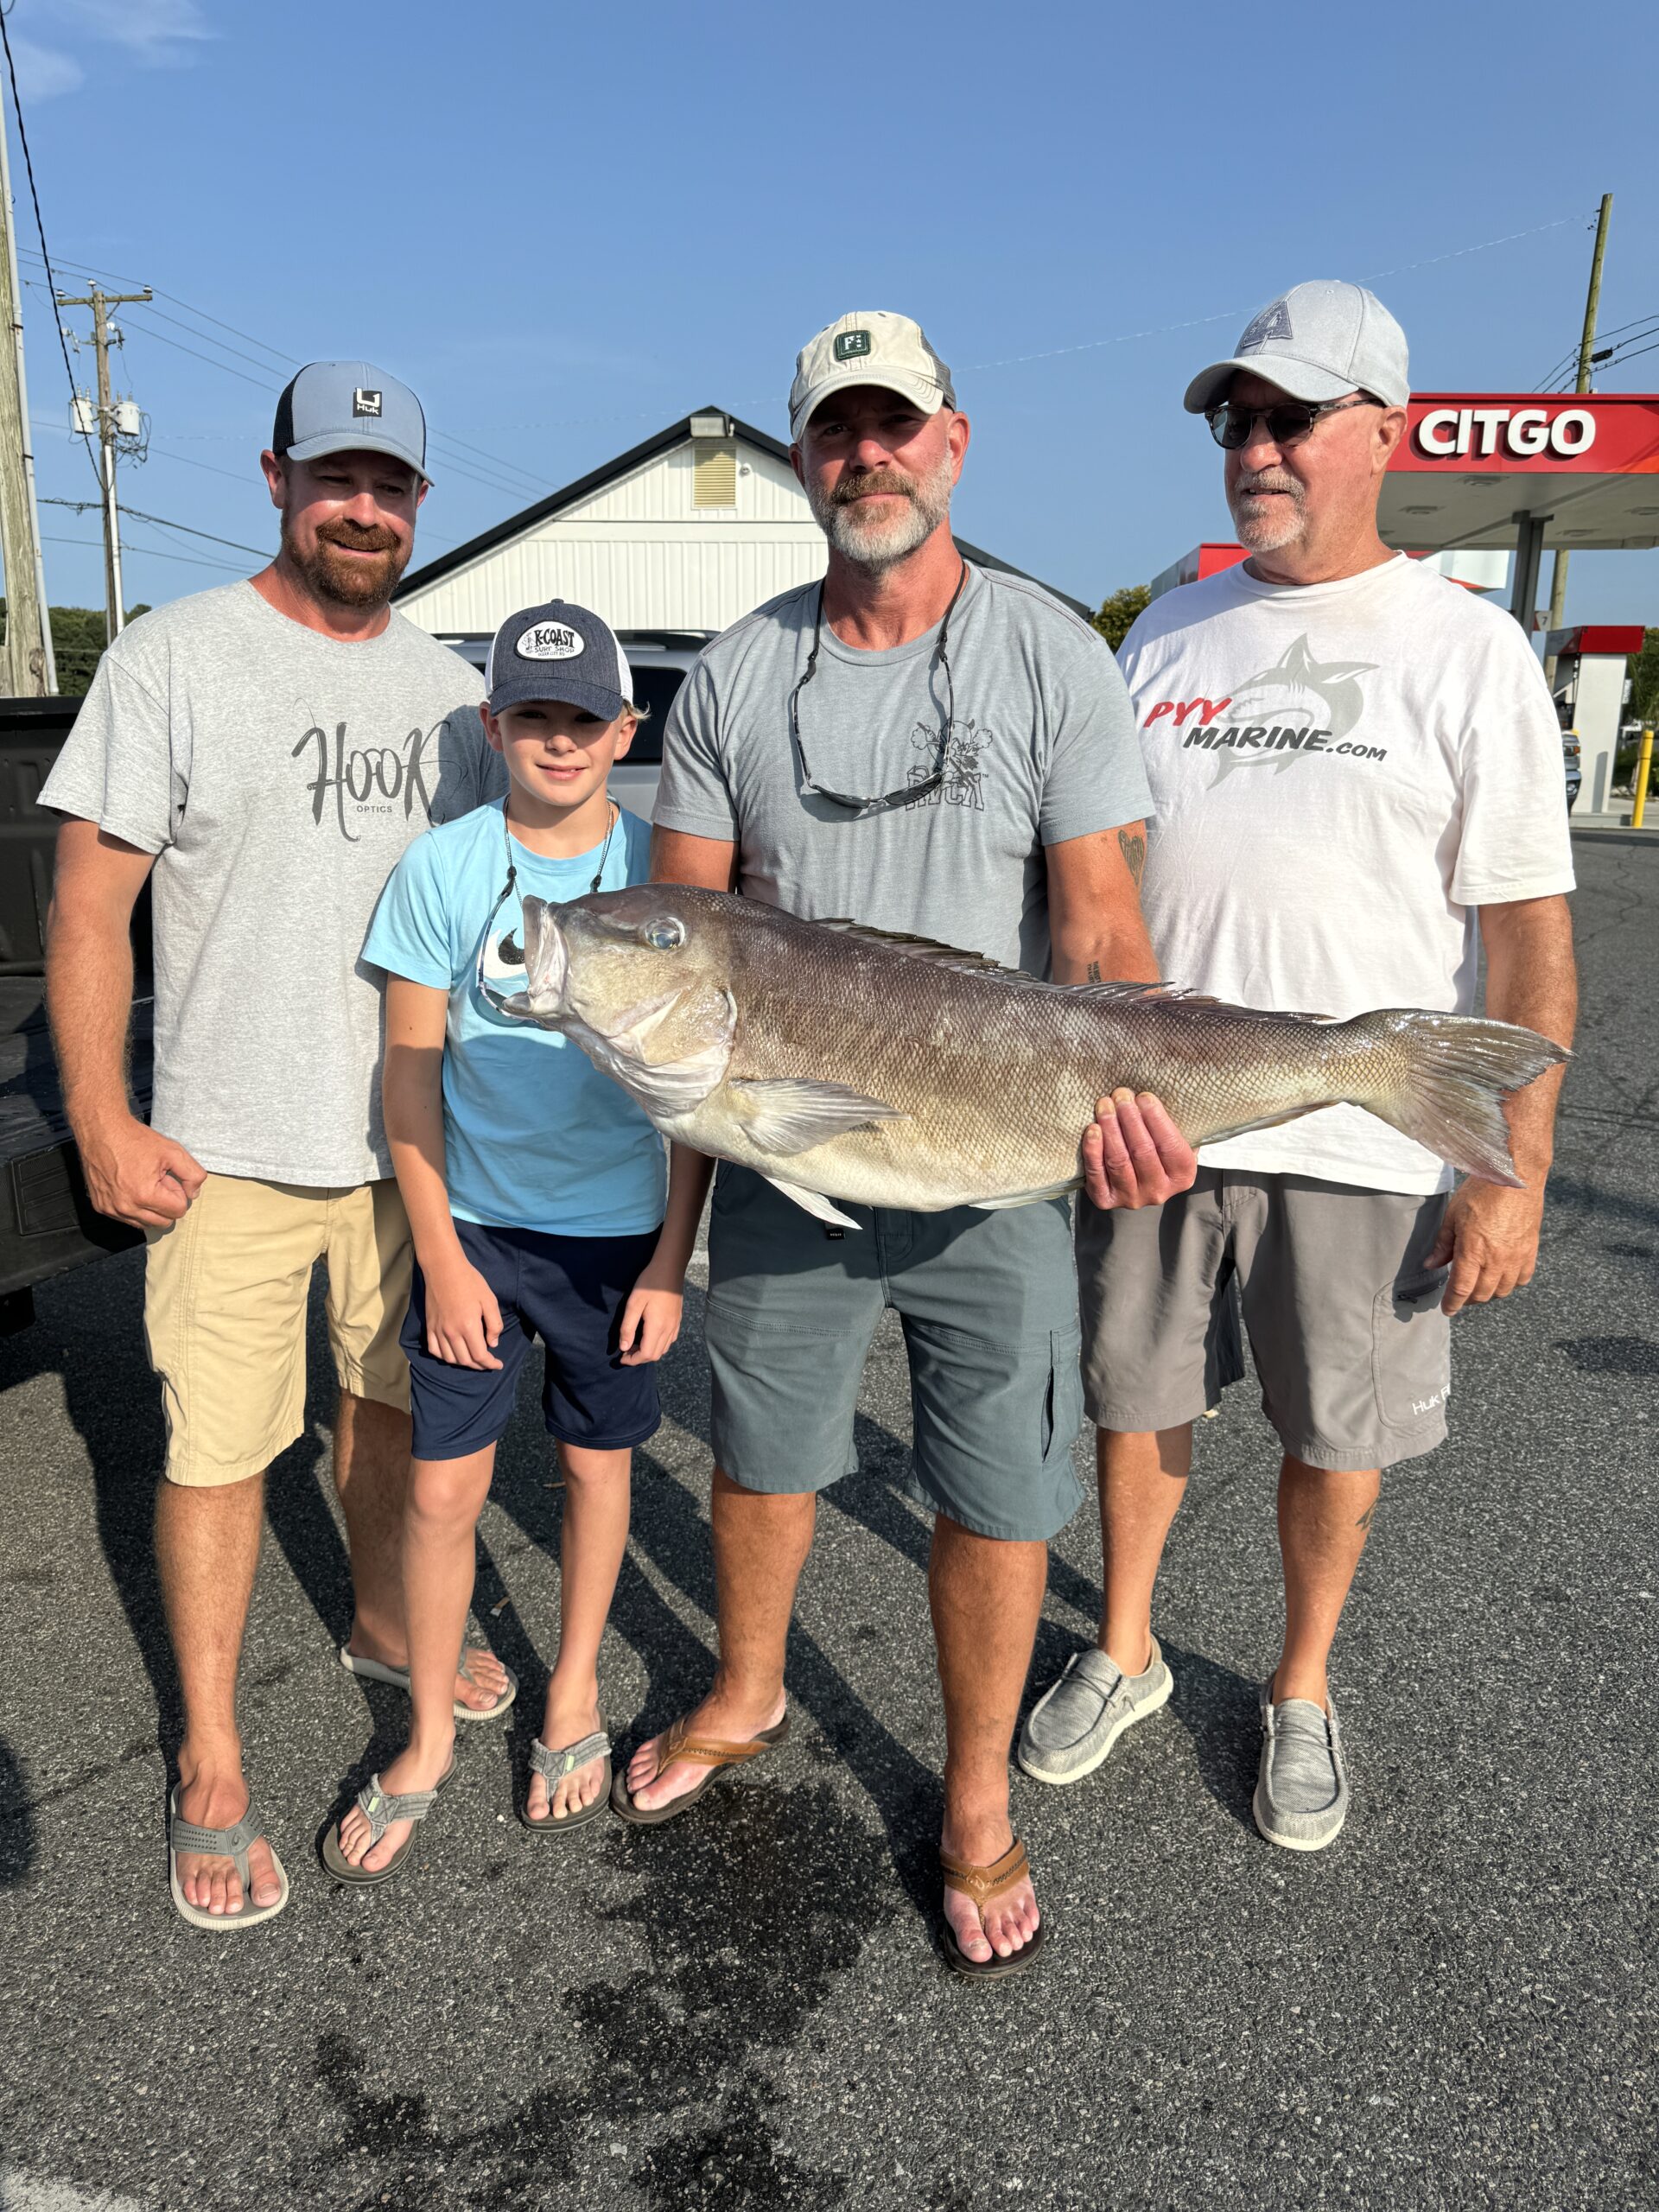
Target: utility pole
27 668
100 303
1586 348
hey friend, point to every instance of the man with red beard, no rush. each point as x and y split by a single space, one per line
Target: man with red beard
263 753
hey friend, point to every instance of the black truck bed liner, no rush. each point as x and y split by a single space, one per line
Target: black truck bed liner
46 1221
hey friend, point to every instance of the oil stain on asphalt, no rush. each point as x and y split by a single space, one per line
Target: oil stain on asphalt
743 1914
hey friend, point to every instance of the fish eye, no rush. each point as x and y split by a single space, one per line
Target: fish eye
665 933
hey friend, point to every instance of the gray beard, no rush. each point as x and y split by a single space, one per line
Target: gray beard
1279 526
876 547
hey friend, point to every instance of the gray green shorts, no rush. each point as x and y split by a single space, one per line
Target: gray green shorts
1345 1321
988 1305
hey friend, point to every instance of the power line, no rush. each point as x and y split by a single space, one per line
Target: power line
498 462
81 507
148 553
40 225
177 325
1195 322
161 339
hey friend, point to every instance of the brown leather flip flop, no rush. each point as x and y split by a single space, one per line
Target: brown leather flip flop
678 1743
983 1884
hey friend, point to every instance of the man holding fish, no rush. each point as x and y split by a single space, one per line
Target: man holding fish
1357 772
934 750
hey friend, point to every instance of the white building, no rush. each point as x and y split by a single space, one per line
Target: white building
689 531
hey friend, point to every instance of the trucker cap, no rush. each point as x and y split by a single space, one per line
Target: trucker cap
1316 341
873 347
349 407
559 651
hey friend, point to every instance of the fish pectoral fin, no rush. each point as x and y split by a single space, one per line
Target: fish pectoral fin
1025 1198
814 1202
787 1114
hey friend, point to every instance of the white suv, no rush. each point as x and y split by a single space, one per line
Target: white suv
660 661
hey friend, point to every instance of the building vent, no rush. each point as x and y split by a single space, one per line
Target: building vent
714 471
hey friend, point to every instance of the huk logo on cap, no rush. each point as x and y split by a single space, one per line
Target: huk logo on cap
850 344
1272 323
550 641
366 402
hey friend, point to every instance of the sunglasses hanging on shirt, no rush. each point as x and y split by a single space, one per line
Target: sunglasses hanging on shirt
851 801
509 951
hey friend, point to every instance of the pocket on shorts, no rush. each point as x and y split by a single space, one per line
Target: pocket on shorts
1411 1348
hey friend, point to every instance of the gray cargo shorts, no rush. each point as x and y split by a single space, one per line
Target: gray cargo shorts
988 1305
1354 1353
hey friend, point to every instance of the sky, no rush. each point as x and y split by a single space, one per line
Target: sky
567 227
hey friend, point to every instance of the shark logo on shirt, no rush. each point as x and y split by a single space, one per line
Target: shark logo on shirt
1281 715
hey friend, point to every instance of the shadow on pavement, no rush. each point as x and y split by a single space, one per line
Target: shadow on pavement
17 1821
113 1405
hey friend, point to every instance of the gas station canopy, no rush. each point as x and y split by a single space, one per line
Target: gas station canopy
1471 462
1507 468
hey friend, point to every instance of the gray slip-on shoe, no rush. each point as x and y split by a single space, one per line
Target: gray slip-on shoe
1301 1790
1075 1723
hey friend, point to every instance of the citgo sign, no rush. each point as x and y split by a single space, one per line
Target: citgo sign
1489 433
1522 433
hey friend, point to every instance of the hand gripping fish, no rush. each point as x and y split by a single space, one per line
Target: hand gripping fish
843 1062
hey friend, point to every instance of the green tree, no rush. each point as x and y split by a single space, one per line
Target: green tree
77 643
1119 611
1644 681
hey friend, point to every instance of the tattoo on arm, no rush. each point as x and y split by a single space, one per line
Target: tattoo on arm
1366 1518
1133 845
1094 971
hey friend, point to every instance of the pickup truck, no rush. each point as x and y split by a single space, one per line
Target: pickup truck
46 1221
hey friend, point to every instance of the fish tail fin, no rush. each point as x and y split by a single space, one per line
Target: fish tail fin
1445 1079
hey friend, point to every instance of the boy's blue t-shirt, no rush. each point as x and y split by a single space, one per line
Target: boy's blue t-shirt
534 1137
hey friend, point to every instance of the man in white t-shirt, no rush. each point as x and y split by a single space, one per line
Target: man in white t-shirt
1356 773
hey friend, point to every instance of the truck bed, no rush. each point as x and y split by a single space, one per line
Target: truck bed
46 1221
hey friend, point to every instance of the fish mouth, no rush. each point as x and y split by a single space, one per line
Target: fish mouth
547 959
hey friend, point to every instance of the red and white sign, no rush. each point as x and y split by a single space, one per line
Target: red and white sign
1599 434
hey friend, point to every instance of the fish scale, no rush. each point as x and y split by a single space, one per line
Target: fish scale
923 1078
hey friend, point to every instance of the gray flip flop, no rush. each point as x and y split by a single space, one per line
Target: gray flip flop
223 1843
381 1807
376 1670
554 1766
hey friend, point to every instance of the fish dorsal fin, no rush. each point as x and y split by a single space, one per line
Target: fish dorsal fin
924 947
1118 994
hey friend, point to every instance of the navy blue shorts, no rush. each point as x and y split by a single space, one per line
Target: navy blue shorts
570 1290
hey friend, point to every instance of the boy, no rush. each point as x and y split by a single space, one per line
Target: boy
534 1192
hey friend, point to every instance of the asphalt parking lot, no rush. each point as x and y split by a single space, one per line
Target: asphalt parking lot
1453 2006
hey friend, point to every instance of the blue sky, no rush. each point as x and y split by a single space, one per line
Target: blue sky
566 227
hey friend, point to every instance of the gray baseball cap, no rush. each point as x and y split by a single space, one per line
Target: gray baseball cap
870 345
1318 340
559 651
349 407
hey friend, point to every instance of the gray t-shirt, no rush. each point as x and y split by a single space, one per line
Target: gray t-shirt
1043 749
276 775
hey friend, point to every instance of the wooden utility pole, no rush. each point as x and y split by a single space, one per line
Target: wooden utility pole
27 669
1586 347
100 303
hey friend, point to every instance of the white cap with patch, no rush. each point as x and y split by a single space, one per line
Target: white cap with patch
1317 341
873 347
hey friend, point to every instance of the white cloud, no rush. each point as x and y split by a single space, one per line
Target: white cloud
162 32
43 74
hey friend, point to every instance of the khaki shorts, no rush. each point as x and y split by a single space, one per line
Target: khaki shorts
225 1298
1353 1351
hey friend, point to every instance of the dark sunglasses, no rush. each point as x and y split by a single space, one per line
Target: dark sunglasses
1232 425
